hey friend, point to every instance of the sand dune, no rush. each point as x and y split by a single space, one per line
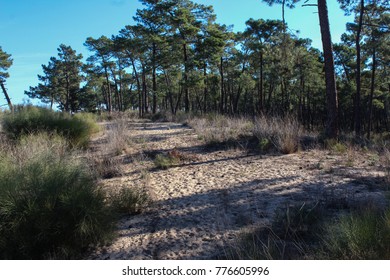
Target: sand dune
204 202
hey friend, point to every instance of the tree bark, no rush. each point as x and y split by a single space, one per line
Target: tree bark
222 97
186 89
154 86
372 90
140 106
332 125
357 111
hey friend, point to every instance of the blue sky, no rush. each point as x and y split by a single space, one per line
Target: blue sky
31 31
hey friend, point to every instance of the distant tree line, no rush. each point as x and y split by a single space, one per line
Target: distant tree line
177 58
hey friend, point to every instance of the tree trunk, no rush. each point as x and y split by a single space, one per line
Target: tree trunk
11 108
222 97
145 100
154 86
332 126
109 103
357 112
371 93
186 89
140 106
205 91
261 98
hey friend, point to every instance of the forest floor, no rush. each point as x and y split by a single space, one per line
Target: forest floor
202 204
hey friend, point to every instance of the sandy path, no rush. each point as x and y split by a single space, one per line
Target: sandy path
202 204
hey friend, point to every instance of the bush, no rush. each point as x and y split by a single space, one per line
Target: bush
359 236
27 120
50 206
129 201
283 133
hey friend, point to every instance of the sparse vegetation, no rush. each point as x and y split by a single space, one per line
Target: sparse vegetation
310 232
292 232
217 129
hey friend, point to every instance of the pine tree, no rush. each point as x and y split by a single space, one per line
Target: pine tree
5 63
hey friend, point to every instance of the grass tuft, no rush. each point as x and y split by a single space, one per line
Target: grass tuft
163 161
283 134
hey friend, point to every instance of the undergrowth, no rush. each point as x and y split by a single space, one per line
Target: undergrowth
50 205
26 120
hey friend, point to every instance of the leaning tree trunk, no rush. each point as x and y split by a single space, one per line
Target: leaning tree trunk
7 97
332 126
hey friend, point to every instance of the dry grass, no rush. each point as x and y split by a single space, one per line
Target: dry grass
220 129
283 134
117 138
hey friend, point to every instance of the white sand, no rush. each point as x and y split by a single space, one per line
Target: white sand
202 204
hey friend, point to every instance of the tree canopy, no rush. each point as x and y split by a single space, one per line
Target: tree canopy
176 57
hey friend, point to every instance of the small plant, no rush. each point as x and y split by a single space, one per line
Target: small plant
107 167
265 145
130 201
336 146
165 161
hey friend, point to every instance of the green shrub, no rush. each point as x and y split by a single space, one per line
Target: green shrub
265 145
359 236
27 120
50 206
129 201
335 146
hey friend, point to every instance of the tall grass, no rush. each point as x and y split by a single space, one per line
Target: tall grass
282 134
117 138
26 120
50 206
